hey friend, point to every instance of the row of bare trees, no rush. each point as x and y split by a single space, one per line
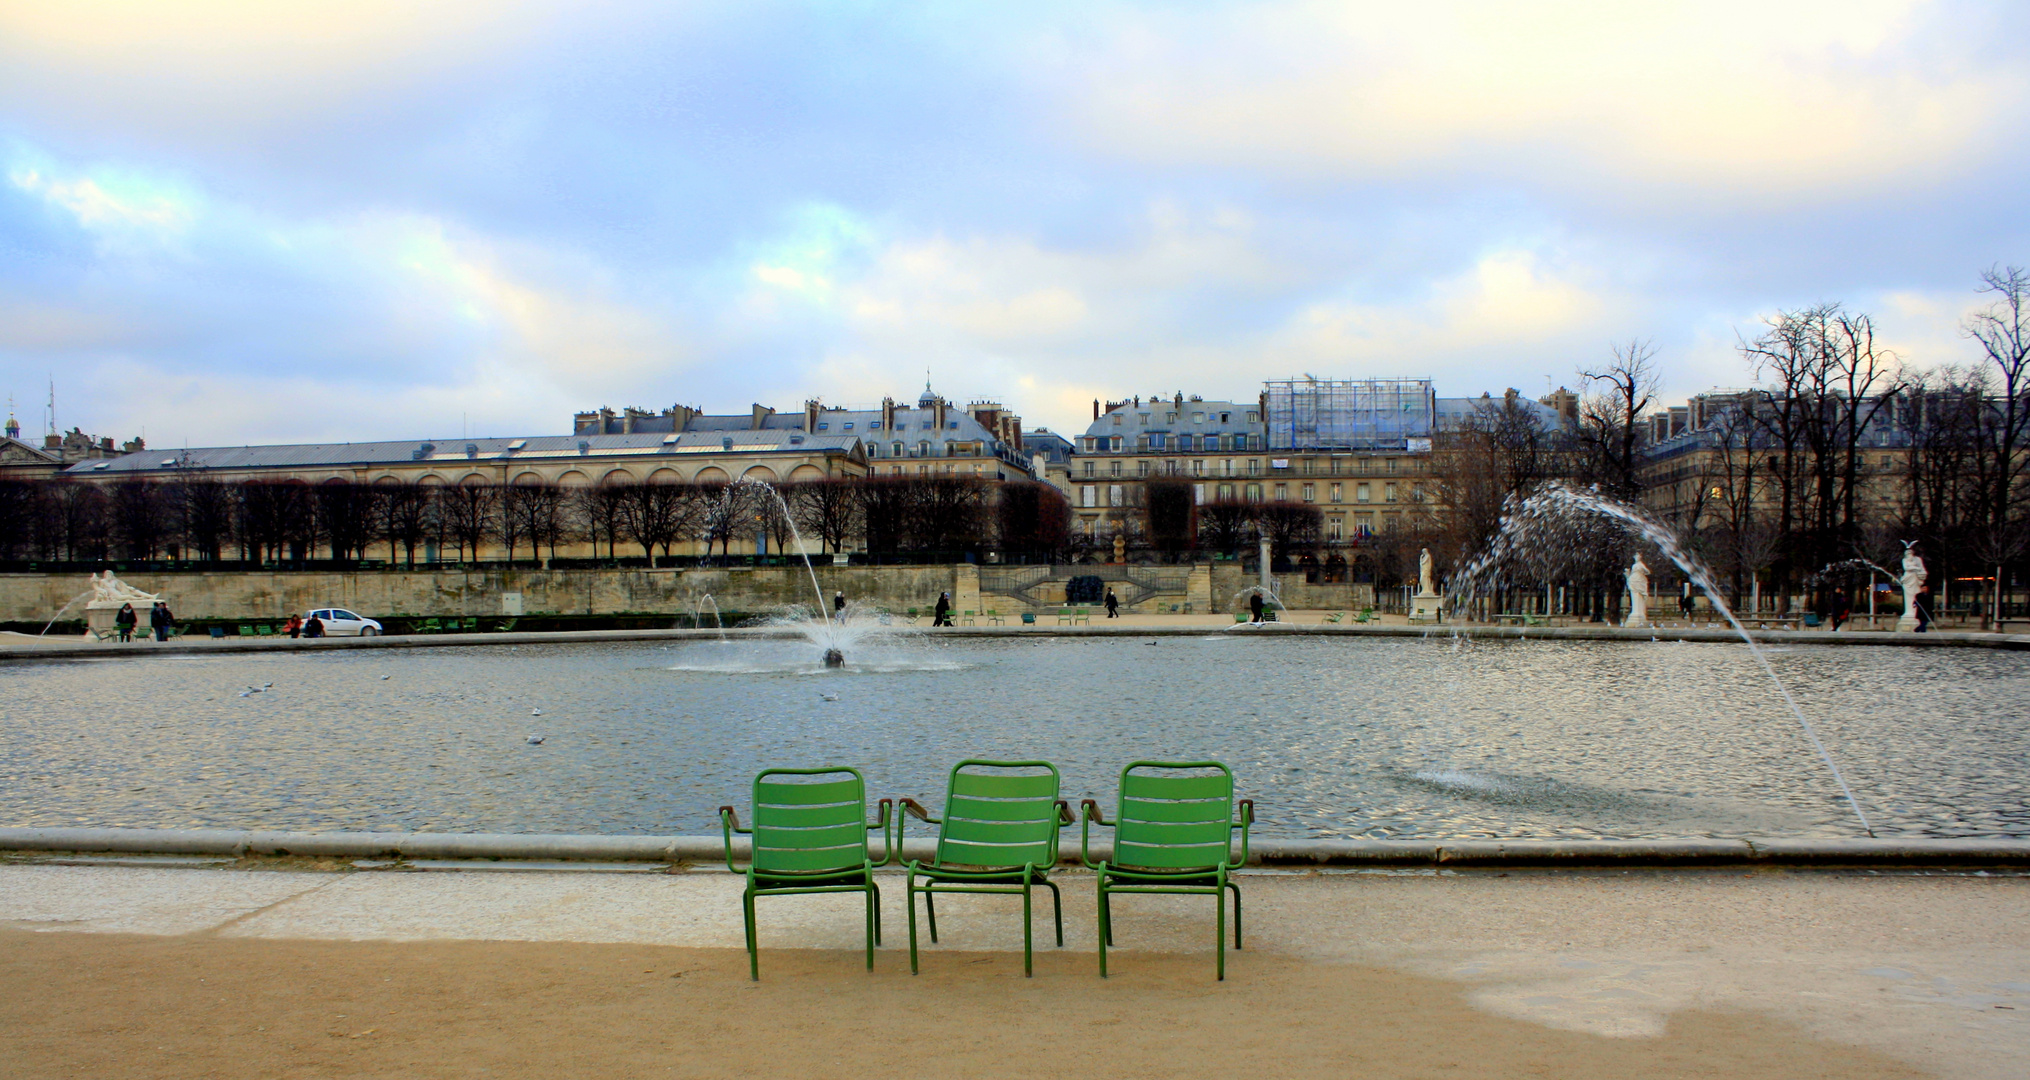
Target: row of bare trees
192 515
1843 451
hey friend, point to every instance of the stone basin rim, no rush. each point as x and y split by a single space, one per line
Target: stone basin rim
1754 851
34 649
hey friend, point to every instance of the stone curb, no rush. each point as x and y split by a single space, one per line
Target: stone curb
68 650
1290 853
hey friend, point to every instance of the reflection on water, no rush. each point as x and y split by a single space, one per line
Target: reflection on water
1331 736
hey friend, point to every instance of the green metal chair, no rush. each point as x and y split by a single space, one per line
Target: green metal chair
1173 833
810 836
999 835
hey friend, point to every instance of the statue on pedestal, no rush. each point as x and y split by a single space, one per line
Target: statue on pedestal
107 589
1638 593
1914 575
1426 605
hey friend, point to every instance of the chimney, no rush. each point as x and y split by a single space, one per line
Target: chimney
888 414
811 408
760 415
1096 408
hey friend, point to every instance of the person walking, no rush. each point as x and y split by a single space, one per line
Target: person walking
1923 605
159 620
314 627
294 627
1113 604
942 614
124 621
839 605
1255 607
1841 608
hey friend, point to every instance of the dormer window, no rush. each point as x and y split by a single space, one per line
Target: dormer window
847 426
952 425
823 427
873 425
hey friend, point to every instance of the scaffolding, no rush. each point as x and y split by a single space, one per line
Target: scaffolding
1348 414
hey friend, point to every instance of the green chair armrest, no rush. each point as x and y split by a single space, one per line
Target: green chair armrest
1090 813
729 823
1247 818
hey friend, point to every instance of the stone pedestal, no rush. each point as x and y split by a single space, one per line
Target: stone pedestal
1907 624
1636 620
1426 607
99 616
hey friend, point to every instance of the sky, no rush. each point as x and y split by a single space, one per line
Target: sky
289 222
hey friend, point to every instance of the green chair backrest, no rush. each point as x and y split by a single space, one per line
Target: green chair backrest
810 821
1174 815
1000 814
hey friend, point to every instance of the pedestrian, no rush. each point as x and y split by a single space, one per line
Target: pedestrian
1685 603
1841 608
294 627
1113 604
1255 606
160 620
942 614
839 605
124 621
1923 604
314 627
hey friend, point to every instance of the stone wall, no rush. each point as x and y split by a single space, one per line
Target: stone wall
439 593
447 592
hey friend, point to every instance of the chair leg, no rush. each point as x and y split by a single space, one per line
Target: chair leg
930 908
877 908
1028 944
912 923
1057 904
1106 928
1219 932
753 949
1237 912
873 913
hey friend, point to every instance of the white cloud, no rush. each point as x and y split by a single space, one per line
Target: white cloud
1744 97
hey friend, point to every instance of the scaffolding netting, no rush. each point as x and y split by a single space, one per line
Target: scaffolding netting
1348 414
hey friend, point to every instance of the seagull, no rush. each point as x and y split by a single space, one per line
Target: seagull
267 686
535 712
536 740
829 697
256 689
384 678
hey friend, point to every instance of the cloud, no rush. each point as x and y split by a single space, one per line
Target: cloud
1747 98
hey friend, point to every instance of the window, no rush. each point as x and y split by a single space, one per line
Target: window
848 426
1142 467
1254 493
1226 492
1310 493
1088 470
1198 494
922 448
1198 418
1226 466
1113 468
1117 419
1305 467
1114 493
1225 418
1170 467
823 427
873 425
1170 418
1198 467
1333 527
1086 443
1282 493
1253 417
952 424
898 451
1392 465
1334 494
1142 443
1088 495
1120 444
1254 466
1388 493
1362 494
1156 441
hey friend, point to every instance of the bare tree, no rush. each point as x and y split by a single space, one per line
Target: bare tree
2003 331
1610 428
827 510
204 510
140 517
471 516
408 517
348 514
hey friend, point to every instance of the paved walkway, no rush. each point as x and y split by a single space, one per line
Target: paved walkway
1929 970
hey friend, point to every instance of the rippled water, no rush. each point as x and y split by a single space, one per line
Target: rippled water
1380 737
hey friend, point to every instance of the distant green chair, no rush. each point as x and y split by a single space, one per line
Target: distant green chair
810 836
246 630
999 835
1173 833
967 619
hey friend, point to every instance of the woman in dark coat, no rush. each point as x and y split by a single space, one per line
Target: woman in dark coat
942 614
124 621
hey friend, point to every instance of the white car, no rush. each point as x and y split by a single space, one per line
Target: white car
339 622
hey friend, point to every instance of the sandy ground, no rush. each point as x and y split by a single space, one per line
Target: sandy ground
237 972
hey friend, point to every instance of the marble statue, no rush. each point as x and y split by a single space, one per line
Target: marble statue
107 589
1638 593
1427 606
1914 575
